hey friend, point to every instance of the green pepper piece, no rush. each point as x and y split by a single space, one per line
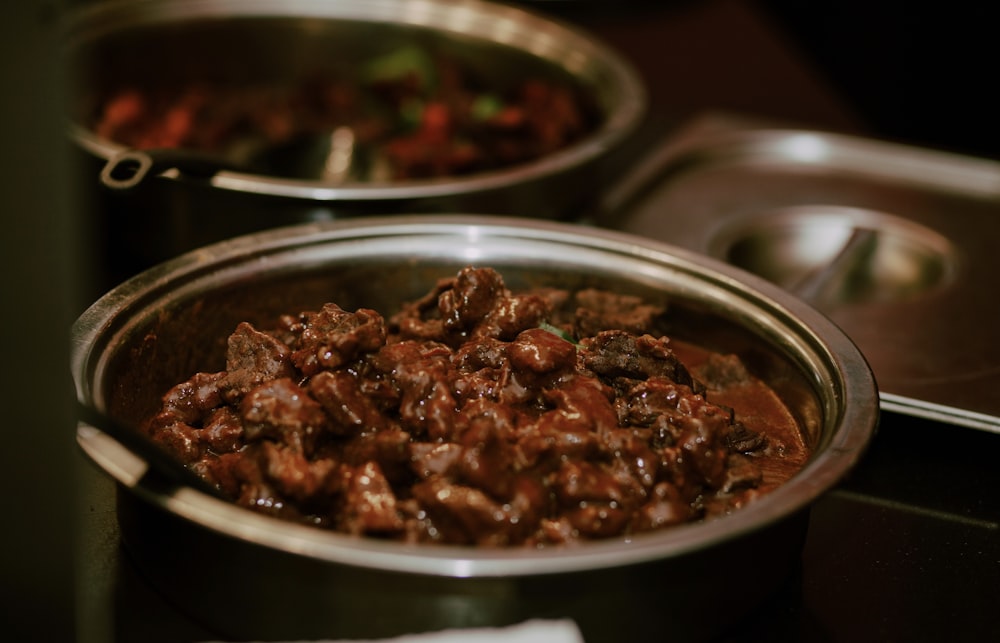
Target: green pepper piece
558 332
399 63
486 106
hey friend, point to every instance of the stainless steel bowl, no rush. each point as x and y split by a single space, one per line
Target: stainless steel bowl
112 43
251 576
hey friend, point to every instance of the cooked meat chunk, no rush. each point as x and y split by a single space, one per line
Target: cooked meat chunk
282 410
333 337
617 353
253 358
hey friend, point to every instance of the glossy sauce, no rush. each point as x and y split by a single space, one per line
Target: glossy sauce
483 417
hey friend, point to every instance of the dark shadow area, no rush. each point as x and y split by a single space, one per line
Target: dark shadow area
919 73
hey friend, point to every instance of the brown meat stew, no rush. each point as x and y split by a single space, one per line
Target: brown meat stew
479 416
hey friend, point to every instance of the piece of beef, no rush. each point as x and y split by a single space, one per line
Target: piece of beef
600 310
369 502
421 372
253 358
351 412
616 353
281 410
464 514
333 336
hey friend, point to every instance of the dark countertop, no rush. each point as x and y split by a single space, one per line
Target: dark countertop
906 549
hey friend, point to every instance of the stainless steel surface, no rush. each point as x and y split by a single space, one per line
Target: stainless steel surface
325 157
379 263
917 295
139 443
142 43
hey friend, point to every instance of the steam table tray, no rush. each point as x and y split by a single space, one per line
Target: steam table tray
896 244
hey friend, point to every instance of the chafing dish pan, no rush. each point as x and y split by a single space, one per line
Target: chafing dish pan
250 576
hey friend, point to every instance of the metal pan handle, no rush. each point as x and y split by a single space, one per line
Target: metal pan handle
129 169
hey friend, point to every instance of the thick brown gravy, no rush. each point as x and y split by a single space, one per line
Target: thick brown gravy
480 416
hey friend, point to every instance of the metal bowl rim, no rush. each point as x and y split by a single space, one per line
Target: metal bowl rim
857 403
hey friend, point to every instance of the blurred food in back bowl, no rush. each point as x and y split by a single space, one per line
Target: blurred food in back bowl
316 110
408 114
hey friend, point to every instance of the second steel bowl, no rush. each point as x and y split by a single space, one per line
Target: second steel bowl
233 43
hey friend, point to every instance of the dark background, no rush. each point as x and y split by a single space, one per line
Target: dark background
917 72
923 73
38 276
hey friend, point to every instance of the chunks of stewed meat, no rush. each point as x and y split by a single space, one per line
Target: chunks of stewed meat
472 416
